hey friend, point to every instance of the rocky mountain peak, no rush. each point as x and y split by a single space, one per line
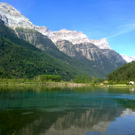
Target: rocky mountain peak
102 43
13 18
8 9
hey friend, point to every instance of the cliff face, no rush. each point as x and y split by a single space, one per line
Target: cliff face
37 39
88 50
106 58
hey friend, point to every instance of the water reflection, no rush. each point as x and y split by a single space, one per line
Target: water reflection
78 123
66 112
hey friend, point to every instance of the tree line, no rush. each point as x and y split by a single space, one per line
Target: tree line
87 79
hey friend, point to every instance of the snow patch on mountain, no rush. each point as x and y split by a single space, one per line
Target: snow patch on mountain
128 58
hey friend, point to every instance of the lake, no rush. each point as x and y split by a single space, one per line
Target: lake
67 111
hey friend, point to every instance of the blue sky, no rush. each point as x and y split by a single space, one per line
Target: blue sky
110 19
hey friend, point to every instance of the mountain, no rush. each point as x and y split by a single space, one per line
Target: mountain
105 59
19 58
123 74
127 58
72 36
101 46
45 44
102 43
114 57
90 57
13 18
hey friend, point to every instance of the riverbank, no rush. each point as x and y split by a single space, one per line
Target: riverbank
45 84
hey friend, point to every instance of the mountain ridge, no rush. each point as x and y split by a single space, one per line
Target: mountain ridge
13 18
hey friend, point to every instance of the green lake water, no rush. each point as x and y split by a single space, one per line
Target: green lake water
66 111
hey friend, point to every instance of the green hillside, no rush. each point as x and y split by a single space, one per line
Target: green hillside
19 58
124 74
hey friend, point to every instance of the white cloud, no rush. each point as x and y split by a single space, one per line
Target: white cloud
123 29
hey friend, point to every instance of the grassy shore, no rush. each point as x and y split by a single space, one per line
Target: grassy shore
119 85
45 84
32 83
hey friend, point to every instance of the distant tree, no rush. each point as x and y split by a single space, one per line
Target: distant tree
85 79
77 79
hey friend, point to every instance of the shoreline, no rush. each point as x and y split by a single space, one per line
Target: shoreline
46 84
31 83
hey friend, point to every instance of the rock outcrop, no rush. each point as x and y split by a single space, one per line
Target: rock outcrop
102 43
13 18
104 57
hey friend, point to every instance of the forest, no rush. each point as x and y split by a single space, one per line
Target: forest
124 74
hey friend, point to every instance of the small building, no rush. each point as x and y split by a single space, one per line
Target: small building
131 82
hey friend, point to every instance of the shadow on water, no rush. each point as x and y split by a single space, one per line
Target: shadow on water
64 111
